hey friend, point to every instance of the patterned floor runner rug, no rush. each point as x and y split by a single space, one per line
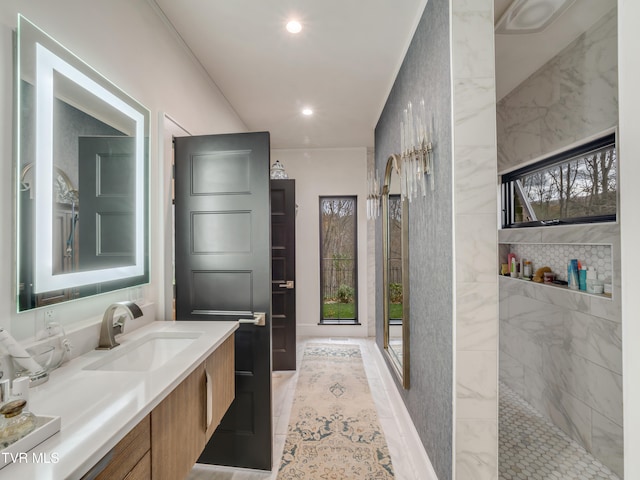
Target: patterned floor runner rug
333 431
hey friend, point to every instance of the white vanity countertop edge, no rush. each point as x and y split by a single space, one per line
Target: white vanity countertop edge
98 408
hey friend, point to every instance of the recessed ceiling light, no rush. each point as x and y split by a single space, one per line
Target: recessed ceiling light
307 111
294 26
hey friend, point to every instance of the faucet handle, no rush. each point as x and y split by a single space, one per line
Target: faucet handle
111 328
118 325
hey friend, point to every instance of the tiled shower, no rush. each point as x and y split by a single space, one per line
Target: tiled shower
561 350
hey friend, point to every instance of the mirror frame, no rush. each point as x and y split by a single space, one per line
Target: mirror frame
401 370
40 56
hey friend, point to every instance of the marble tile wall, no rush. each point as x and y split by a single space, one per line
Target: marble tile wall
557 256
572 97
475 240
561 350
566 361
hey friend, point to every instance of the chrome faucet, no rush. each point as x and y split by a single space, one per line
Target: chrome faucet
111 328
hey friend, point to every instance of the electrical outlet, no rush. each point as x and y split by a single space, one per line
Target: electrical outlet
42 324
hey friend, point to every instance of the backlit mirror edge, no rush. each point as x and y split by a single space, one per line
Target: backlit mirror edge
142 267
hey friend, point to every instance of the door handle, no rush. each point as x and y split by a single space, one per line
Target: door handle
259 319
289 284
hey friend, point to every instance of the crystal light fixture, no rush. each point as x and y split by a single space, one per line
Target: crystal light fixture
416 153
373 196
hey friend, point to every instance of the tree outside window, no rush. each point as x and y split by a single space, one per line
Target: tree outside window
574 187
338 260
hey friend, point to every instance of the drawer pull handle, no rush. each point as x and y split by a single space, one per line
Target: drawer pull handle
209 400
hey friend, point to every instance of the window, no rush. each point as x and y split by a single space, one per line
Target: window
395 259
338 261
576 186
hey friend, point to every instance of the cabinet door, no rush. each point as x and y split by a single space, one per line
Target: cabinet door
178 429
221 390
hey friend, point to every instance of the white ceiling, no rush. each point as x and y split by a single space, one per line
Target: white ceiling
518 56
342 64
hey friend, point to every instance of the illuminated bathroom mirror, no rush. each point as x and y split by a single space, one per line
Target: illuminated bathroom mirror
82 177
395 272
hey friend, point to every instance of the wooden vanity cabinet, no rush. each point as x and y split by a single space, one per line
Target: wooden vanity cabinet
168 442
130 459
184 421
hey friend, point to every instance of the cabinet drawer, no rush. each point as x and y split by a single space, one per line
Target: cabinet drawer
142 471
128 452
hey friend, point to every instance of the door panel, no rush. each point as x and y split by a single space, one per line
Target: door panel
107 226
283 270
223 272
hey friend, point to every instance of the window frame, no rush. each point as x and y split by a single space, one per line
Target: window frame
339 321
508 185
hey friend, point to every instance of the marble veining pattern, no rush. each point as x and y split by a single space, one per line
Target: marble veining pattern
570 98
475 241
565 362
533 448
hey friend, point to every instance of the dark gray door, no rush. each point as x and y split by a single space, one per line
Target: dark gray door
106 171
223 272
283 271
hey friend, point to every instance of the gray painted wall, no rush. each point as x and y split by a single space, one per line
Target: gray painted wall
425 74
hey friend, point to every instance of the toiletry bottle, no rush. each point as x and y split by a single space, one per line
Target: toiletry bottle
20 389
598 285
582 278
527 269
573 275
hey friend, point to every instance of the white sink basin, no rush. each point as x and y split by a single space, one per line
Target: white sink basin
145 354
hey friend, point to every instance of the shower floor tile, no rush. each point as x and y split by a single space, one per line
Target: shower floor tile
530 447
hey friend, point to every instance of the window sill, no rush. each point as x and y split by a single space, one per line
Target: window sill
339 322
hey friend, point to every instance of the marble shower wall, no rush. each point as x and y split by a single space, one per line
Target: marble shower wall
573 96
562 350
476 299
475 240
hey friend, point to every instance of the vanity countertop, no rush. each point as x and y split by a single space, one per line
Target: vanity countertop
98 408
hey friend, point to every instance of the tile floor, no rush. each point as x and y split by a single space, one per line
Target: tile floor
530 447
407 455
